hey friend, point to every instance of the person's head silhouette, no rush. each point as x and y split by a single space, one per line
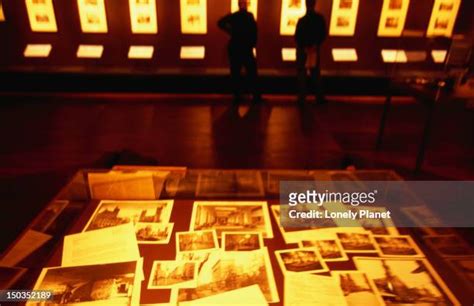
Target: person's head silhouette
243 5
310 5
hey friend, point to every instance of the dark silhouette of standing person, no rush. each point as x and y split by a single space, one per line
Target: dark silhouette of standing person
310 33
242 28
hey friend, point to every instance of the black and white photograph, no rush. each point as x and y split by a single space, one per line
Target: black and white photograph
403 281
241 241
173 274
231 217
357 242
230 183
106 284
113 213
196 241
358 289
233 270
153 233
302 260
377 226
397 246
329 249
449 245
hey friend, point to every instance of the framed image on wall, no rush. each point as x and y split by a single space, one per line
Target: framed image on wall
143 16
343 17
41 15
92 15
393 17
291 12
193 16
443 18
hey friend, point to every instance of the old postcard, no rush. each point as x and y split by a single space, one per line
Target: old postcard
173 274
397 246
357 242
251 295
229 272
241 241
232 216
303 260
381 226
106 284
358 289
230 183
403 281
196 241
113 213
315 290
329 249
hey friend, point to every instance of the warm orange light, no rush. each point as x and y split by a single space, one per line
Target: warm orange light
41 15
291 11
343 17
92 15
288 54
90 51
37 50
439 56
192 52
392 19
2 15
394 56
143 16
141 52
193 16
344 55
443 18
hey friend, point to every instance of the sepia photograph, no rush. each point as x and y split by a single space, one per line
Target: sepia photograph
303 260
397 246
196 241
173 274
357 242
345 4
232 217
329 249
446 6
358 289
230 183
241 241
448 245
403 281
153 233
343 22
395 4
233 270
106 284
441 23
392 22
377 226
112 213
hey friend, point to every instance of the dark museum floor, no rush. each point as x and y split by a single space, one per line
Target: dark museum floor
46 138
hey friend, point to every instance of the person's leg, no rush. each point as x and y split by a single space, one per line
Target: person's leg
317 86
252 75
301 74
235 71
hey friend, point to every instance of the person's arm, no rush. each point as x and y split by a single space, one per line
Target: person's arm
225 24
254 32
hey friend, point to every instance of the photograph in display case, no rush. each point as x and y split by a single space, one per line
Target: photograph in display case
303 260
230 183
232 217
193 16
173 274
397 246
343 17
41 15
358 289
291 11
231 271
395 4
406 281
392 18
443 17
329 249
241 241
196 241
150 218
105 284
357 242
92 16
143 16
377 226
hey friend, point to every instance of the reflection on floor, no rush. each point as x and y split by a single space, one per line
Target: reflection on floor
47 138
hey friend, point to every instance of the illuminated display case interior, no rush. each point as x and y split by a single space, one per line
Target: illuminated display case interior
143 16
193 16
41 15
93 16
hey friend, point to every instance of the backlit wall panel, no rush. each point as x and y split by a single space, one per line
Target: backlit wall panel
252 8
41 15
443 17
291 11
2 15
143 16
343 17
193 16
92 15
393 17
